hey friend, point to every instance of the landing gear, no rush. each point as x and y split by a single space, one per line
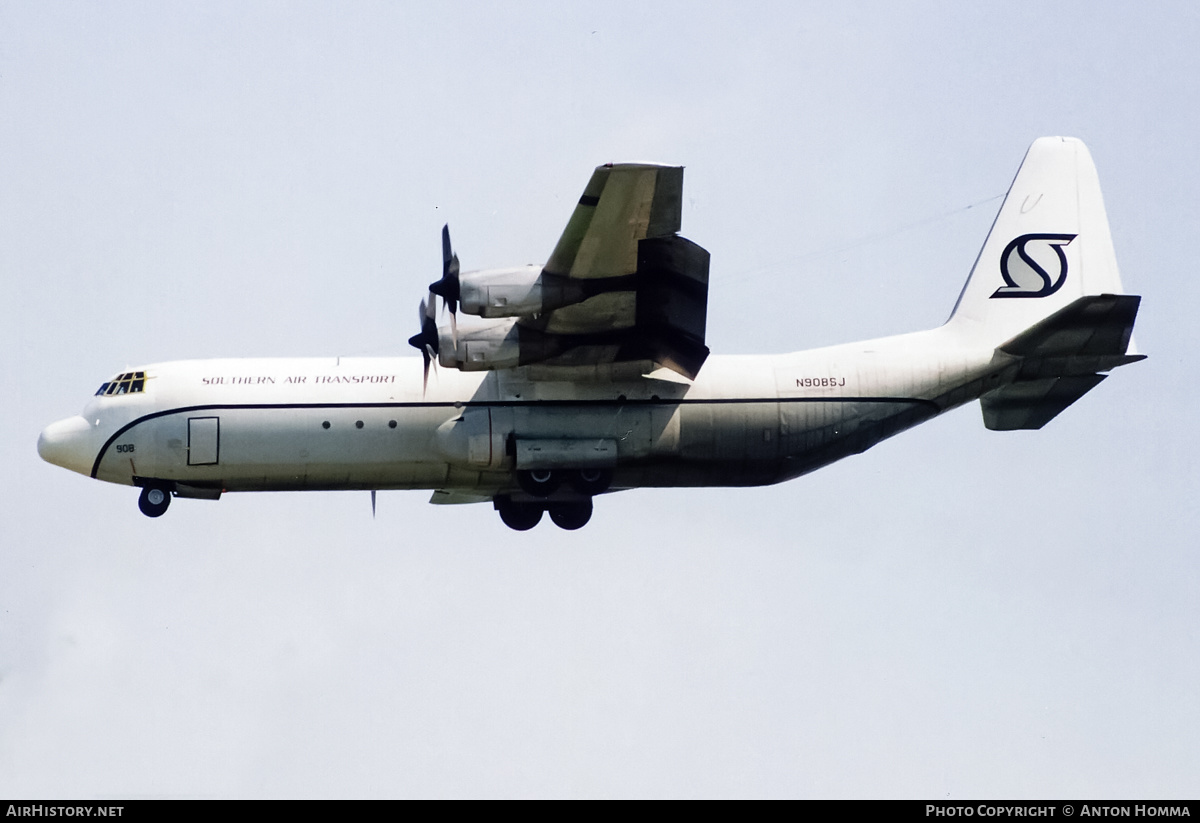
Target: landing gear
519 516
523 516
565 494
591 481
571 516
539 482
545 482
154 501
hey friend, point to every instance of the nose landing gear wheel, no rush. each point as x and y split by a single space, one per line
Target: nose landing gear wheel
154 501
571 516
519 516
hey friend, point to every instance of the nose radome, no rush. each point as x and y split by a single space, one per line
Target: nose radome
67 444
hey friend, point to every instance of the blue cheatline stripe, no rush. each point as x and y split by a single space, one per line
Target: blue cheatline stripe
458 404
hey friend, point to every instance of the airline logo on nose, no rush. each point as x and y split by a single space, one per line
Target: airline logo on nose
1034 265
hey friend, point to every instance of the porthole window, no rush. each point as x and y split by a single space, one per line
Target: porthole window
325 425
391 424
358 424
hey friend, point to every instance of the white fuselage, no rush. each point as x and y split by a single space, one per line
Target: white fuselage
368 423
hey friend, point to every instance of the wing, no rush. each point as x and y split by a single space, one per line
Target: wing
620 286
648 286
621 206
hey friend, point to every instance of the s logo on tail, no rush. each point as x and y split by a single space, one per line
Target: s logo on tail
1028 267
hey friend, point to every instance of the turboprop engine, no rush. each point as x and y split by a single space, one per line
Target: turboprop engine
493 345
501 292
504 294
518 292
501 344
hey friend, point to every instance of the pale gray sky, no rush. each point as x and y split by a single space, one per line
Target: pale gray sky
956 613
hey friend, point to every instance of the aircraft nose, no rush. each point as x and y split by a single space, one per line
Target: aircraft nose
66 444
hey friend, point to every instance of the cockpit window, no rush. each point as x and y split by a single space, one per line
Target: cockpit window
130 382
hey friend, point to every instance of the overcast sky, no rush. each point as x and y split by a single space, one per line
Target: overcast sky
956 613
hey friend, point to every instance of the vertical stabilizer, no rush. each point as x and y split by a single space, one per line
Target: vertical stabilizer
1049 246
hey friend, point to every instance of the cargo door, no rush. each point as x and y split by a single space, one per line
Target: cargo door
204 441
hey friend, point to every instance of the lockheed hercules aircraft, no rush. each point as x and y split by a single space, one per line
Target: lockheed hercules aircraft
590 374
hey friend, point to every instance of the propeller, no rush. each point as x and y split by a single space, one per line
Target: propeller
449 287
427 339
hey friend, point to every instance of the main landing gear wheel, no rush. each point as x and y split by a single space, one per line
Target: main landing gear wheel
154 501
571 516
591 481
539 482
519 516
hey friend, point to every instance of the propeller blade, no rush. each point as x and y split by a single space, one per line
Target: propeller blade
427 339
418 339
372 504
449 287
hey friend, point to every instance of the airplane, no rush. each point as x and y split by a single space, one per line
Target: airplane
590 374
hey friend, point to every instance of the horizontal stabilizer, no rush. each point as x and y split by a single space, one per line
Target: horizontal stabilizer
1059 360
1032 404
1097 325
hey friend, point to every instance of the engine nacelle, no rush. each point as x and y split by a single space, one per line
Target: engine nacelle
517 292
501 292
480 348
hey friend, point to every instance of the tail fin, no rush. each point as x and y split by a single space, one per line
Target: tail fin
1045 292
1049 246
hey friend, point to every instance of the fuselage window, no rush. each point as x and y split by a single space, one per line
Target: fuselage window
130 382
